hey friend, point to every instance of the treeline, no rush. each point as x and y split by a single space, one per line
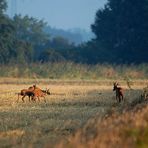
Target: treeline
74 35
24 40
120 28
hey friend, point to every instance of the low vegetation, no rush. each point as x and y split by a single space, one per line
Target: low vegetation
126 129
69 70
73 111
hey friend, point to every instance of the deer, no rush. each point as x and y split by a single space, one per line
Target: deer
26 92
47 91
33 92
119 92
39 93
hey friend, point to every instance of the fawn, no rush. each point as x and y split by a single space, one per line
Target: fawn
119 92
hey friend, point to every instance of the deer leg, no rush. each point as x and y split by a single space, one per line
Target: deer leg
44 99
116 98
39 99
18 97
23 98
119 98
32 98
29 98
122 97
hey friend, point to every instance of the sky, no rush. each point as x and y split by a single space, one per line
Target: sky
61 14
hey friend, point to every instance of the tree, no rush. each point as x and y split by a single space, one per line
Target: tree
60 43
122 28
6 34
30 29
3 6
30 32
51 55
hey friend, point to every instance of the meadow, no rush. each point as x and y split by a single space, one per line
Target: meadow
71 105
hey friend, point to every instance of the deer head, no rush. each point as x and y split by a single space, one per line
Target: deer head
115 84
48 92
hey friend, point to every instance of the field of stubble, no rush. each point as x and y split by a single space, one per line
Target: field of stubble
68 108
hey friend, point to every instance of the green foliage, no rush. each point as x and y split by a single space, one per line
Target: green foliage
51 55
30 29
60 43
30 36
3 6
6 35
140 136
121 28
121 38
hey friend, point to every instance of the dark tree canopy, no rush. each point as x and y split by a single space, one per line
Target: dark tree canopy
3 6
122 28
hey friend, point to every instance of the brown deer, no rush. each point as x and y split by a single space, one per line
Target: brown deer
26 92
39 93
33 92
119 92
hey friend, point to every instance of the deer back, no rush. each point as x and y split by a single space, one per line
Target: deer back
39 93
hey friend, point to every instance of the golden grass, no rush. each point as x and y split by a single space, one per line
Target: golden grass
68 108
126 130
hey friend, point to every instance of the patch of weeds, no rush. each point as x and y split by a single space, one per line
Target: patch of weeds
140 136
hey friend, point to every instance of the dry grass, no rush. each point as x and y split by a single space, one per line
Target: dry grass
117 130
68 108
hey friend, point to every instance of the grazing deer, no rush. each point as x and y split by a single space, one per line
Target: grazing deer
119 92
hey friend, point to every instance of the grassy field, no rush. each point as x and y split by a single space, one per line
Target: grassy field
69 107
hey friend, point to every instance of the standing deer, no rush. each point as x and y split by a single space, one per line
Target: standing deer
39 93
26 92
119 92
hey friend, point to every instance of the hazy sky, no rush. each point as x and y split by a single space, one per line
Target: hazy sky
63 14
